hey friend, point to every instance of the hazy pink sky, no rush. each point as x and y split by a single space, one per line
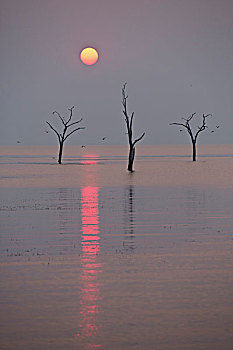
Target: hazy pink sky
176 56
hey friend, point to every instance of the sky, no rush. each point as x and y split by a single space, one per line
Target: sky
175 55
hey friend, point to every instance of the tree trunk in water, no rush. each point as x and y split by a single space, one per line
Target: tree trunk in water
194 151
60 153
131 158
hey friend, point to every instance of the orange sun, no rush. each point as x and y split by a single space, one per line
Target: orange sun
89 56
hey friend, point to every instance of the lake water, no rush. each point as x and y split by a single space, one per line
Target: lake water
94 257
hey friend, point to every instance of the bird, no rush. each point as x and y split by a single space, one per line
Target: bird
212 131
181 130
83 146
18 141
103 138
217 126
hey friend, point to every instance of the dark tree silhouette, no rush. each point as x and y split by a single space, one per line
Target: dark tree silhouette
193 135
66 132
129 126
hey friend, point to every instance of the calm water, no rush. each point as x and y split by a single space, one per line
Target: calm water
95 258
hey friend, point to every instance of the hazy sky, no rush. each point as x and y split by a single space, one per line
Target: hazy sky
175 55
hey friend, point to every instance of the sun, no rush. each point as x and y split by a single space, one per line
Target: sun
89 56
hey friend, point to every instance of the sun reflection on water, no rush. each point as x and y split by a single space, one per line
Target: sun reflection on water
90 267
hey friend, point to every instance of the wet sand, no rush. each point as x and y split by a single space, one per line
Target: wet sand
92 257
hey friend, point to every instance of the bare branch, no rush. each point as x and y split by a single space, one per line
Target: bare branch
58 114
124 100
186 125
58 135
73 132
203 126
180 124
190 117
124 96
124 103
75 122
131 121
135 141
71 114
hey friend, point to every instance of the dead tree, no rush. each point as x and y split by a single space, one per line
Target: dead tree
129 126
66 132
193 135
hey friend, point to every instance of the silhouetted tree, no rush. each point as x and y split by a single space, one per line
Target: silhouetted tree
193 135
66 132
129 126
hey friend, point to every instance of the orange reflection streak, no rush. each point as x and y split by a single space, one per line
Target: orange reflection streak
89 159
90 288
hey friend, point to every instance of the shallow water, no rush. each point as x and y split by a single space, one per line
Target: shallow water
95 258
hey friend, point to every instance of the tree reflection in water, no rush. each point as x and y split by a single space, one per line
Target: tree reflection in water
129 242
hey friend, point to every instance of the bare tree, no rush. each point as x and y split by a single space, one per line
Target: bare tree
129 126
193 135
66 132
